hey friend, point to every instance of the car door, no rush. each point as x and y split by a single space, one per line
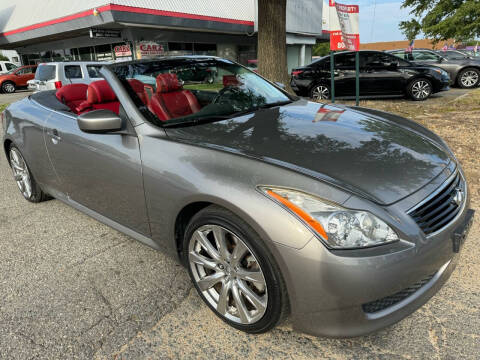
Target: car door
23 75
100 171
380 74
345 74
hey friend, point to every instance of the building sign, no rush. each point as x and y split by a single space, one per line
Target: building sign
150 49
344 26
105 33
122 50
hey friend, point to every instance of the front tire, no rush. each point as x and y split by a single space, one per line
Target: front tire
469 78
233 271
23 177
8 87
320 92
420 89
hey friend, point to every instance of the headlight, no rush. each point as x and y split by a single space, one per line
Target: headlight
340 228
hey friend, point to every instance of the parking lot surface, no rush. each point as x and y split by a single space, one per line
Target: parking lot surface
71 287
10 98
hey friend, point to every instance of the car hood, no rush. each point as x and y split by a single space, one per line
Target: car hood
372 156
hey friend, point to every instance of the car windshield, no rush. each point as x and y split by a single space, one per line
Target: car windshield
187 91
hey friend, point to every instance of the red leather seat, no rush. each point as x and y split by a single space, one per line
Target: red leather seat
100 96
72 95
170 100
139 88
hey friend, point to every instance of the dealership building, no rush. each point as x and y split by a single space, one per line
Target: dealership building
56 30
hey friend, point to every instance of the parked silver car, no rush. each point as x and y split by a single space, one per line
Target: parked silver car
53 75
347 219
464 72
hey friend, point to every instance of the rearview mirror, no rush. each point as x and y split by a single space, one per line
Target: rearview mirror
99 121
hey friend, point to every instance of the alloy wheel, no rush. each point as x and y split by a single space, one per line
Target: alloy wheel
321 92
469 79
21 173
8 87
228 274
421 90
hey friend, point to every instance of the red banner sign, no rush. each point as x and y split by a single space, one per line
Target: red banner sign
344 26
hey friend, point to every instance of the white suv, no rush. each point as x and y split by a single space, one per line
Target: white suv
6 66
51 76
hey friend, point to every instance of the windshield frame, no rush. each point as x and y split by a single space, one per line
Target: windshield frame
190 120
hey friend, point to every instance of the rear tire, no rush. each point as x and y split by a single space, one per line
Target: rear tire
468 78
420 89
320 92
27 185
224 280
8 87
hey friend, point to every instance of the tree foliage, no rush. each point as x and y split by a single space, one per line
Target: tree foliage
321 49
4 58
442 19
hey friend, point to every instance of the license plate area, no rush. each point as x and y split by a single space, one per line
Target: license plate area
461 232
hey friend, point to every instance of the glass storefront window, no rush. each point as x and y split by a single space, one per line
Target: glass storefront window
86 53
104 52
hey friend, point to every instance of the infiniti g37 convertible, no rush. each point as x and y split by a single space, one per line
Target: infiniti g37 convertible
345 219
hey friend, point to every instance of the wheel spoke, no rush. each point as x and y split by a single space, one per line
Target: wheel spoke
223 298
202 239
238 252
210 281
230 280
254 276
240 304
256 301
221 242
203 261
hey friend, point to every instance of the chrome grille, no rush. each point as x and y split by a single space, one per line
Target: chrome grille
440 209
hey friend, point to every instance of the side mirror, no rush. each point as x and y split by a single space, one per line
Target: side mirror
280 85
99 121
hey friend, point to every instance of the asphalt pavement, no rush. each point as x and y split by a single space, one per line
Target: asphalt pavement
10 98
72 288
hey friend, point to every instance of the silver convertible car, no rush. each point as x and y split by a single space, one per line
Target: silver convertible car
345 219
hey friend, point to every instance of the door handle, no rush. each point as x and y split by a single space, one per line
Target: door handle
55 136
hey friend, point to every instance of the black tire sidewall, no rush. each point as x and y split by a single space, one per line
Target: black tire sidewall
410 86
276 306
459 81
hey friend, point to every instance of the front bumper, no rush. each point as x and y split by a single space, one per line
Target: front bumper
329 292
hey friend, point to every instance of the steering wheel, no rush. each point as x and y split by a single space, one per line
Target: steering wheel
227 94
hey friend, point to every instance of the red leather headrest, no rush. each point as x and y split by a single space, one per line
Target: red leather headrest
100 92
167 83
136 85
72 92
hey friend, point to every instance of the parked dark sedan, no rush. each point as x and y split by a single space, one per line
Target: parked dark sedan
463 72
381 75
346 219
